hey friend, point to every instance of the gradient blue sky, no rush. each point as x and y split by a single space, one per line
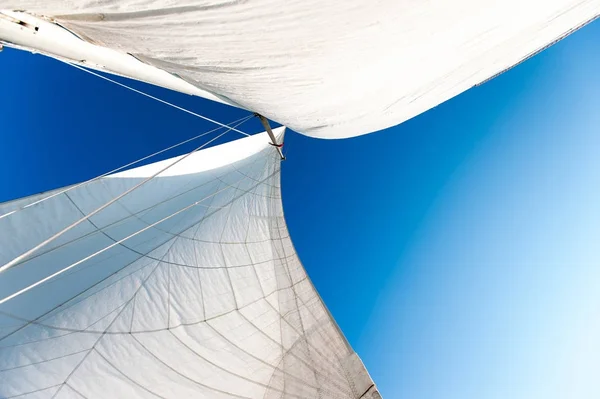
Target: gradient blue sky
458 251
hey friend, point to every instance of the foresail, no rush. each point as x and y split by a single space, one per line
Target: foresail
328 69
204 296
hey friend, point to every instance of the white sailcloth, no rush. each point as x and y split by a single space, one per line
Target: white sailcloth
327 69
212 302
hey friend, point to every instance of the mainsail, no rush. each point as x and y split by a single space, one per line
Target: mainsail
210 301
327 69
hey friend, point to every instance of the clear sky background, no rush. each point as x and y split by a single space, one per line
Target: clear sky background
459 251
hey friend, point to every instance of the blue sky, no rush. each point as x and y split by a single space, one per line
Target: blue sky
458 251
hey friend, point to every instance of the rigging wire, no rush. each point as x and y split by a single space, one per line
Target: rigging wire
67 268
154 98
29 252
241 120
33 285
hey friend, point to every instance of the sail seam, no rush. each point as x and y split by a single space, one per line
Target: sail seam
29 252
136 215
303 334
95 254
174 236
124 306
98 332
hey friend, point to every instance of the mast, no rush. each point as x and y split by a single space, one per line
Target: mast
267 126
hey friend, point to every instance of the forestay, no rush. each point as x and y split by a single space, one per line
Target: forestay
327 69
212 302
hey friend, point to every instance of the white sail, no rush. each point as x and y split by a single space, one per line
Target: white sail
212 302
327 69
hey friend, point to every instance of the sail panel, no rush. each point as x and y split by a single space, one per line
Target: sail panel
212 302
325 69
